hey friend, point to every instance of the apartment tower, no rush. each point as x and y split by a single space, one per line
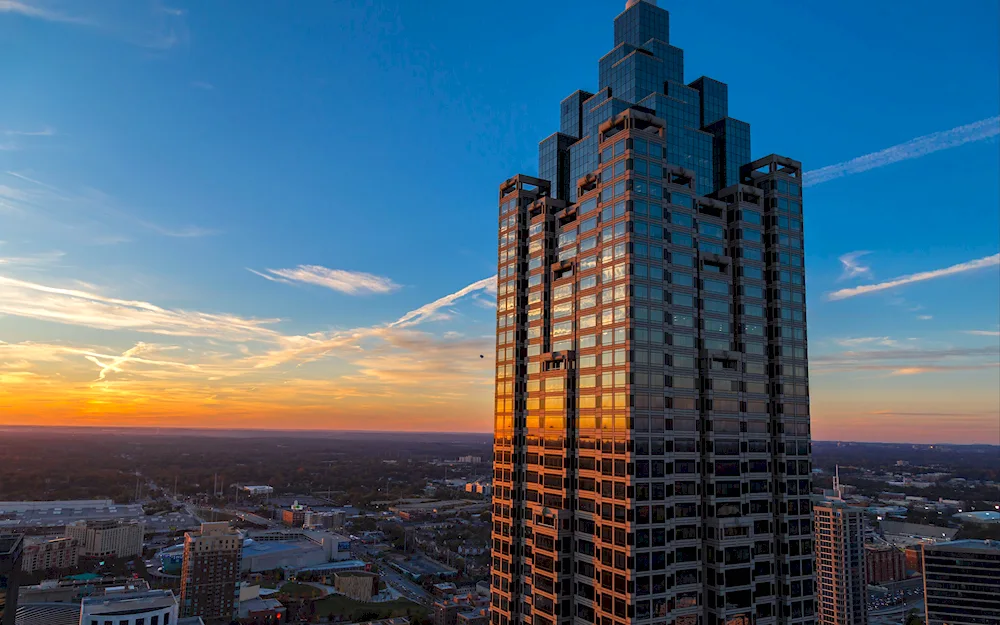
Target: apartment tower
841 572
652 450
210 573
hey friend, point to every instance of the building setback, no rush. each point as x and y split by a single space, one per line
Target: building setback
962 583
211 571
841 586
652 449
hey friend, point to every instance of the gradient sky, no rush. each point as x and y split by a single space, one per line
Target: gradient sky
283 215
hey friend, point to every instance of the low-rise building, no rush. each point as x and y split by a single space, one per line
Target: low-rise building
358 585
59 602
885 563
295 515
914 557
326 520
152 607
446 610
478 616
292 549
480 488
258 491
51 554
108 538
78 587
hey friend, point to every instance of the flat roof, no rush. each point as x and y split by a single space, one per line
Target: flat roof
264 548
60 513
126 603
9 542
342 565
969 545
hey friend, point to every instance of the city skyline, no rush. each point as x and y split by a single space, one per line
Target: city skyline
145 281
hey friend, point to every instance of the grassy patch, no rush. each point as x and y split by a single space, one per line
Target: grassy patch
338 605
301 591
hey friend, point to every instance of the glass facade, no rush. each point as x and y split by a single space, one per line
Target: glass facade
11 549
652 456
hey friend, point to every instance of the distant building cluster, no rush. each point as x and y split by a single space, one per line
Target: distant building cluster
465 606
483 488
424 509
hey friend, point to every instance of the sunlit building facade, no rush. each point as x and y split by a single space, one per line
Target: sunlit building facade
841 569
652 451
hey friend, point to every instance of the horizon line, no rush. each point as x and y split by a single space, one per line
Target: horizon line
346 431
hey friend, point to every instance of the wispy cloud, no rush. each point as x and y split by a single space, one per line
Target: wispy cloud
109 365
944 368
349 282
33 260
52 203
904 361
884 341
318 345
925 317
852 266
83 308
433 310
47 131
895 413
201 84
972 265
914 148
149 25
186 232
983 332
37 11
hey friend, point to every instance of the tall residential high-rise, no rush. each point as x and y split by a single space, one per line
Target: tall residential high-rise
210 573
652 452
962 583
841 574
11 548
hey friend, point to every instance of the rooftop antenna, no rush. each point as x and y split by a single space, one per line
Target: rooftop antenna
836 483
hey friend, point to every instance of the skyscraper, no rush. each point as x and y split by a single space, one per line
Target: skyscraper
11 548
652 452
962 583
210 574
841 573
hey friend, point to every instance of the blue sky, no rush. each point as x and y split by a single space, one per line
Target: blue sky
153 153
